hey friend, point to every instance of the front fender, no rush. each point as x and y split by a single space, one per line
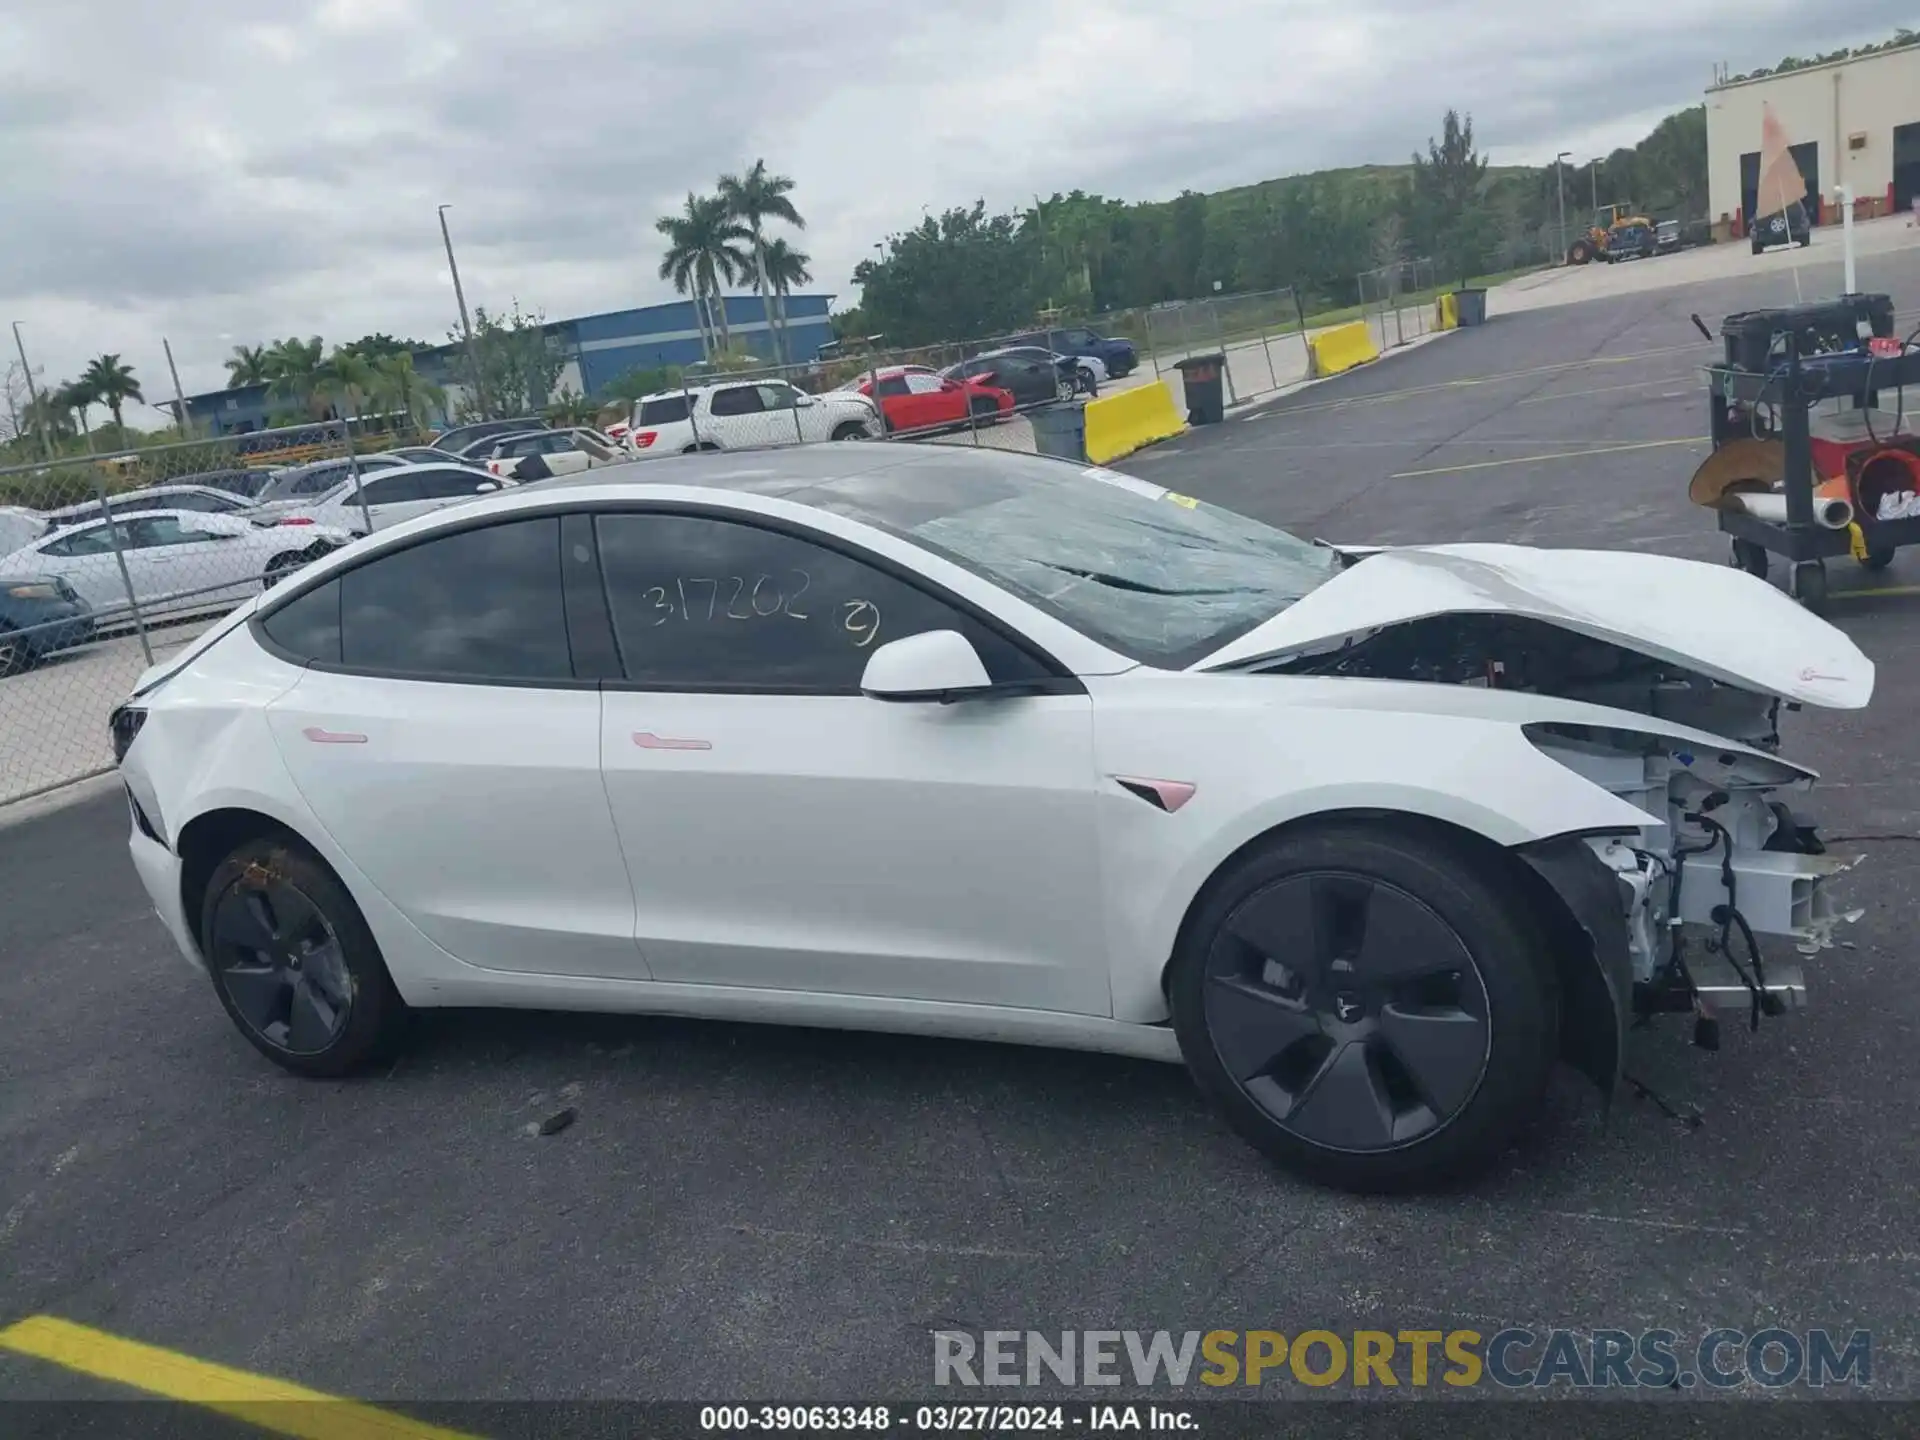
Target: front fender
1588 936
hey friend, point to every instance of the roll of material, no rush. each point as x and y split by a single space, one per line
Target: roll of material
1829 511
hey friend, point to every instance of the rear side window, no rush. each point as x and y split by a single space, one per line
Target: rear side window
663 411
309 628
481 604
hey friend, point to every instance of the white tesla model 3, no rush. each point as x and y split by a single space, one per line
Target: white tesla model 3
957 742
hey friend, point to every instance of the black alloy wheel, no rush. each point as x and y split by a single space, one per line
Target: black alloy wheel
1347 1010
280 963
1369 1002
293 962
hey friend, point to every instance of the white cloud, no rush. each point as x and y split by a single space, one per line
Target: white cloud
257 173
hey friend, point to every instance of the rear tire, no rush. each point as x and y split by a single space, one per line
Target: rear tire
1878 557
1371 1006
293 962
15 656
280 567
1580 252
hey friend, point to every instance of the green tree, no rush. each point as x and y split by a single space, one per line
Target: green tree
401 390
1446 211
293 373
381 346
72 401
519 362
630 387
959 275
248 365
570 407
752 199
112 384
346 379
703 254
784 267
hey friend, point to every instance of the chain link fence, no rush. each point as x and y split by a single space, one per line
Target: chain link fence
111 562
1261 333
1397 301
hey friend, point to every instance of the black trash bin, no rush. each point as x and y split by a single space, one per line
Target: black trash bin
1202 378
1472 305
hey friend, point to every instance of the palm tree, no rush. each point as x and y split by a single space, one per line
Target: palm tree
111 384
72 400
48 415
753 199
405 391
784 267
248 365
345 377
293 367
703 249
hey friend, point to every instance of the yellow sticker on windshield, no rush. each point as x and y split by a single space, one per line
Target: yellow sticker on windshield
1186 501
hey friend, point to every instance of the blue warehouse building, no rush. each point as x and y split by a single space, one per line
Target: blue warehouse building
598 350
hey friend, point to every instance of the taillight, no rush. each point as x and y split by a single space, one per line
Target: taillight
643 438
298 520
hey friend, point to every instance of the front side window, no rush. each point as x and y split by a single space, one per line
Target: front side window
776 397
892 385
705 603
483 604
925 384
1158 576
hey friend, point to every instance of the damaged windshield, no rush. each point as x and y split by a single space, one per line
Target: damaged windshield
1158 576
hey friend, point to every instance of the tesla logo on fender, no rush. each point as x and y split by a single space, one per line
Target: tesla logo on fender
647 740
332 737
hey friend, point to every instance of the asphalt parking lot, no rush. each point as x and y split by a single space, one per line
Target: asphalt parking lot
757 1212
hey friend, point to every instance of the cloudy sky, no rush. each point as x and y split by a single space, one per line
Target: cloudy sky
226 171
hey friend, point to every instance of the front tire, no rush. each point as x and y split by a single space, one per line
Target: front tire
850 430
293 962
1367 1005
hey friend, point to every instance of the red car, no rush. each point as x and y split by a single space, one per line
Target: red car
914 398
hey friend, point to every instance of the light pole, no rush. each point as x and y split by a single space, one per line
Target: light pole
1593 169
1560 190
466 326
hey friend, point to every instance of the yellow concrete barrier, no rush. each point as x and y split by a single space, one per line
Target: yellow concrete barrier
1341 348
1120 423
1446 312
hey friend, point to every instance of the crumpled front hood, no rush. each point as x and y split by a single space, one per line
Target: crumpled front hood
1713 619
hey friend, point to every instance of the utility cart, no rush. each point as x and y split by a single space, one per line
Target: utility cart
1770 389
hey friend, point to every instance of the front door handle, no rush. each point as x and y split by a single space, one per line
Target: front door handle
647 740
322 736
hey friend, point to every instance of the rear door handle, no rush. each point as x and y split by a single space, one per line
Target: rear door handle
322 736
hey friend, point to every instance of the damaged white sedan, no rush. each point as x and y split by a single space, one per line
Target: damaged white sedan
963 743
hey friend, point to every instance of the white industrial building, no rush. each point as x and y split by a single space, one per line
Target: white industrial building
1851 122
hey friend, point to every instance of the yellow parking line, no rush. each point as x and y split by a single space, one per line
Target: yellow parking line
270 1404
1611 390
1878 590
1556 455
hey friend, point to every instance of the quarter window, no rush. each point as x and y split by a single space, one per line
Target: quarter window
481 604
707 604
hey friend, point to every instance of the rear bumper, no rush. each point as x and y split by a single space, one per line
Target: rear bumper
159 870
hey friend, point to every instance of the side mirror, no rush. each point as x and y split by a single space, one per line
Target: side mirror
803 401
936 665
